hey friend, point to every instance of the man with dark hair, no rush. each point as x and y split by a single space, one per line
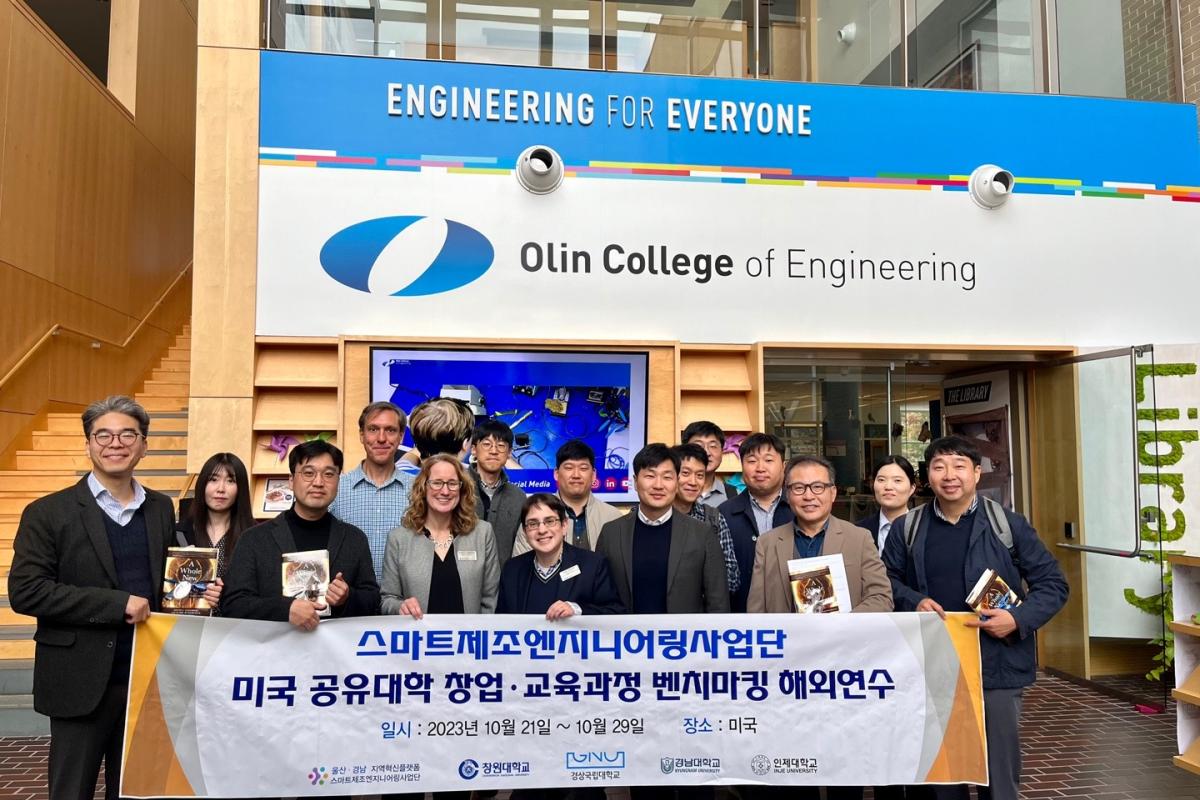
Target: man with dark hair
639 547
254 588
710 437
88 563
692 461
810 488
497 500
758 509
575 473
374 495
936 553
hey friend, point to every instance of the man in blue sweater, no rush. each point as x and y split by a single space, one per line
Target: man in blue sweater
933 567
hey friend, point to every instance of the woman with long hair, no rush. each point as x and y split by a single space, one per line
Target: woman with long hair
442 559
220 511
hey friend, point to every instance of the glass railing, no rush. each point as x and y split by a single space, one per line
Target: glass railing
1111 48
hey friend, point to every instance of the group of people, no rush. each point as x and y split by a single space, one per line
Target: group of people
436 532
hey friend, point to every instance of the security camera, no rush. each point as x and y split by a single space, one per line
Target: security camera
990 186
539 169
847 32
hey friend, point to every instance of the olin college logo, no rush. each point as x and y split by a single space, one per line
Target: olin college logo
351 254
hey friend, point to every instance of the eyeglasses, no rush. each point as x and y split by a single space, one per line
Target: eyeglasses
105 438
816 487
438 484
549 523
492 446
308 474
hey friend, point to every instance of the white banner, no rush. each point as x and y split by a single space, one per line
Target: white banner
222 708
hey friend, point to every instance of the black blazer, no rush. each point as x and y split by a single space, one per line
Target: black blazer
744 530
871 523
695 565
63 573
253 587
592 588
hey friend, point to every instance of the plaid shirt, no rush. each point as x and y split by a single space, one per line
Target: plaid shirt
733 575
375 510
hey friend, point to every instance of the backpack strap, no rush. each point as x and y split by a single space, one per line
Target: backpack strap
1000 526
912 523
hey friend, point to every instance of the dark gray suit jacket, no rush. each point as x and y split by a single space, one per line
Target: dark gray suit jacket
503 512
64 574
254 585
695 566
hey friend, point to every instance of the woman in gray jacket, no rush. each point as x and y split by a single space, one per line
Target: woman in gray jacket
443 559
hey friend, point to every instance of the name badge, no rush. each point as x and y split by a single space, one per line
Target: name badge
567 574
467 555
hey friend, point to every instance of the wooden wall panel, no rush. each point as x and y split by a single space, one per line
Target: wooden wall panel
95 212
225 24
166 81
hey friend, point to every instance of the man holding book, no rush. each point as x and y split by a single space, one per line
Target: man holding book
936 553
810 491
329 560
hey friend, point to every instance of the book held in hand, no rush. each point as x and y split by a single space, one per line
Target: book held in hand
186 576
306 576
992 591
819 585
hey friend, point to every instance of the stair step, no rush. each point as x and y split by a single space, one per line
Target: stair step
153 404
175 365
165 390
19 484
8 617
171 375
13 650
49 440
17 717
16 677
183 340
64 423
179 353
35 459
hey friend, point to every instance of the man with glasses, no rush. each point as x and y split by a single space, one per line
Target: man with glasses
254 587
575 474
496 500
710 437
935 553
374 495
88 563
810 491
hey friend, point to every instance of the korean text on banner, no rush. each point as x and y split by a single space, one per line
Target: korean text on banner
221 707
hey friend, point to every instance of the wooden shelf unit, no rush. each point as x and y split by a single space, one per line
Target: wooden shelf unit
1185 603
722 384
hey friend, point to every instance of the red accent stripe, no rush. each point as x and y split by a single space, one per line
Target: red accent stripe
637 171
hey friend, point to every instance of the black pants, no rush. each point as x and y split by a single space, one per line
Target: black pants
79 744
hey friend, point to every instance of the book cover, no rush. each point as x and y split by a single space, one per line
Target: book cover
992 591
306 576
186 576
819 585
278 495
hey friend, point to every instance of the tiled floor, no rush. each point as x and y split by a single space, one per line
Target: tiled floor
1078 744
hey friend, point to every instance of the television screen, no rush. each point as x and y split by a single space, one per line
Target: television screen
546 398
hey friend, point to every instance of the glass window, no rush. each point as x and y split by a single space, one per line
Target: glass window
1110 48
551 33
855 41
392 28
701 37
987 46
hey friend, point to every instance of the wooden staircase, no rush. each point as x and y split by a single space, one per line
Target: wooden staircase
58 460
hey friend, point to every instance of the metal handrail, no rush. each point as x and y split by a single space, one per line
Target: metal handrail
58 327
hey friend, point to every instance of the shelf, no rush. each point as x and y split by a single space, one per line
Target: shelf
1183 561
730 411
740 388
296 367
282 410
1186 628
1186 696
1190 760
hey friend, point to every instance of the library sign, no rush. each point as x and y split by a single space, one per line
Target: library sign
235 708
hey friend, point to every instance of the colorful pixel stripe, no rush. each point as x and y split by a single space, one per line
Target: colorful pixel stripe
707 173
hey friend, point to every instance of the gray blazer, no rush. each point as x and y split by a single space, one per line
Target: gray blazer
408 568
695 566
